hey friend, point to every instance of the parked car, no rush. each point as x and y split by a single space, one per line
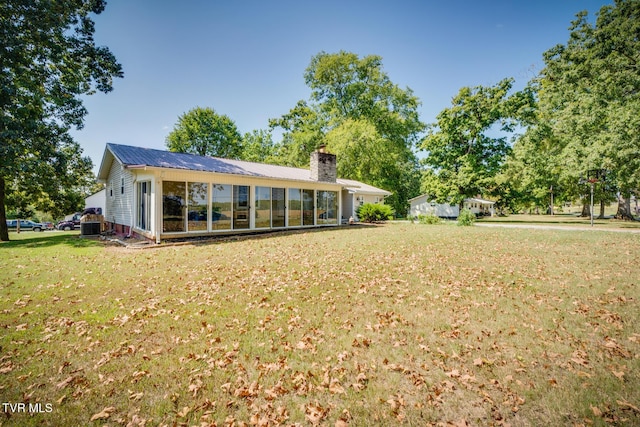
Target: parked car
70 224
67 225
25 224
74 222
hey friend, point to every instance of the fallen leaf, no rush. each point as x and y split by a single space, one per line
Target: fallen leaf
135 396
335 387
625 404
62 384
104 414
618 374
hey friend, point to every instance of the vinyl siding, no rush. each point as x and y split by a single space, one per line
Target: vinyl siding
119 204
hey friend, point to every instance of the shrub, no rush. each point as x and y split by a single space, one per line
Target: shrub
466 217
370 212
429 219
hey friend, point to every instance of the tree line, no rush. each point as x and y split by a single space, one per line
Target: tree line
578 119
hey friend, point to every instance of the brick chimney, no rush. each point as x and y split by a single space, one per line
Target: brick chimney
323 165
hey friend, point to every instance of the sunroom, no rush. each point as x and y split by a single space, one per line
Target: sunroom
158 194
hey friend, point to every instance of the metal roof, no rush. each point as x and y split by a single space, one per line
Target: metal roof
138 157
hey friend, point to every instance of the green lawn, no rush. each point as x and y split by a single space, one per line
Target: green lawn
381 325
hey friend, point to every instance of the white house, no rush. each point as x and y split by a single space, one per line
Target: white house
480 206
422 205
160 194
96 200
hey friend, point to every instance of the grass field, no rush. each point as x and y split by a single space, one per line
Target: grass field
564 219
382 325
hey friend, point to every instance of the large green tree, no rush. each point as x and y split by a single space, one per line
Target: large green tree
467 146
589 95
353 97
48 58
204 132
303 130
258 146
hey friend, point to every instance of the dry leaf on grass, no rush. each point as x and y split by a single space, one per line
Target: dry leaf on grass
104 414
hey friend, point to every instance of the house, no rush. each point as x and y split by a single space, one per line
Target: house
480 207
423 205
161 195
96 200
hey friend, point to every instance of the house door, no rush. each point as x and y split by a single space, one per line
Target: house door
240 207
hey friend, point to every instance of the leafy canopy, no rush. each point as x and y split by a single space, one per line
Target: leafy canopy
588 111
204 132
370 123
48 58
463 156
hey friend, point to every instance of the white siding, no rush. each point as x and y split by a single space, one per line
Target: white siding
97 200
119 203
422 206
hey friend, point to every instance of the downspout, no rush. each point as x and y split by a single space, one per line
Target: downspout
132 209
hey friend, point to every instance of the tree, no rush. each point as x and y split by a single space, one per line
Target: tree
204 132
354 97
303 133
589 93
462 158
258 146
48 58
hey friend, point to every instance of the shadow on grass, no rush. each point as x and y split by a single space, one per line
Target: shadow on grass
30 240
256 235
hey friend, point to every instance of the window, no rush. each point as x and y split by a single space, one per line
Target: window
197 202
221 207
240 207
173 204
278 210
263 207
295 207
121 185
143 221
307 207
327 207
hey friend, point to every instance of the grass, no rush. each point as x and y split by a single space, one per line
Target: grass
570 218
397 324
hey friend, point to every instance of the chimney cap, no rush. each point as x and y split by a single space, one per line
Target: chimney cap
322 148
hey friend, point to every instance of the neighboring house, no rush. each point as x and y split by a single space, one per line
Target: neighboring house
357 194
480 207
96 200
421 205
160 194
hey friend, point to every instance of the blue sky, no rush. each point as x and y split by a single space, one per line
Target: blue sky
246 58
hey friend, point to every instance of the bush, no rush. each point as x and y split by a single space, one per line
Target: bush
370 212
466 217
429 219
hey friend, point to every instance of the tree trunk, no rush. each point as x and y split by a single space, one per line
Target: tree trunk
4 230
586 210
601 216
624 208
